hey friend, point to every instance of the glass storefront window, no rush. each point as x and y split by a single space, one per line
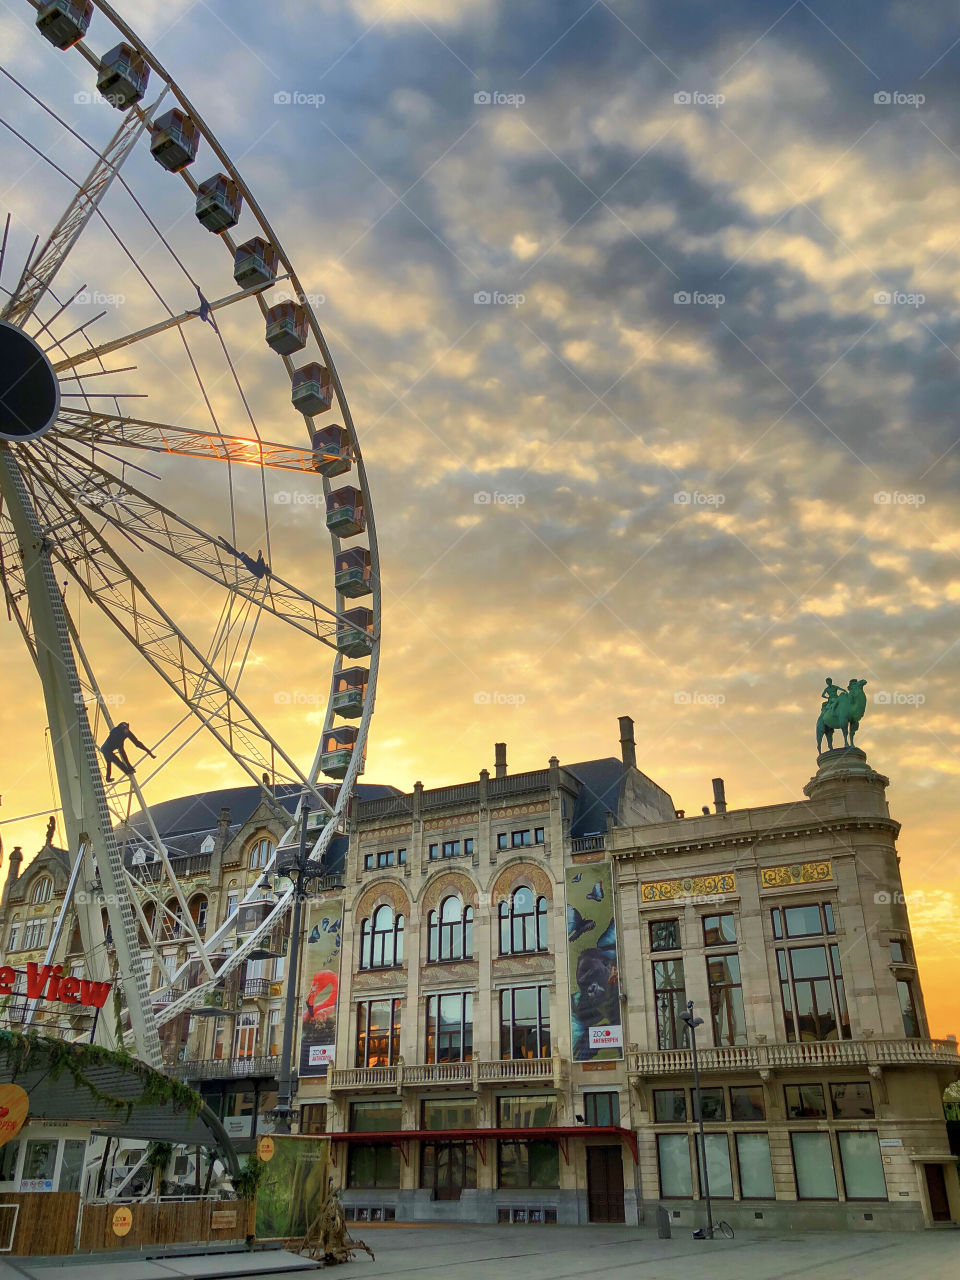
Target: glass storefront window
376 1117
718 1165
862 1166
852 1100
376 1165
670 1106
813 1161
756 1171
450 1113
527 1111
534 1163
673 1151
746 1102
805 1102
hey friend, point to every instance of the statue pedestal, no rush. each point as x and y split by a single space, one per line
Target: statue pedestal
843 774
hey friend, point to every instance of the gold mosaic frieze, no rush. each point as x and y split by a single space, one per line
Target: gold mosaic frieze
795 873
688 887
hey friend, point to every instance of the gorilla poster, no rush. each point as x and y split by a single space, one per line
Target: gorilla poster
597 1033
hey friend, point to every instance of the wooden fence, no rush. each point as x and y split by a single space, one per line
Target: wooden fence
46 1222
166 1222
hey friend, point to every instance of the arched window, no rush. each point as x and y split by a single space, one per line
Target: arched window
198 911
261 854
42 890
172 926
450 931
381 940
523 923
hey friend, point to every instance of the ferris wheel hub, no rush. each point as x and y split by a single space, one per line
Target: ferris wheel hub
29 390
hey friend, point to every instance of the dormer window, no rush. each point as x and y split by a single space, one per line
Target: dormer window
42 890
208 844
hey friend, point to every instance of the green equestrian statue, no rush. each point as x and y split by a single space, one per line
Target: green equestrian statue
842 709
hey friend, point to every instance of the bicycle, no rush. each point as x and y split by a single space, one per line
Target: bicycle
724 1228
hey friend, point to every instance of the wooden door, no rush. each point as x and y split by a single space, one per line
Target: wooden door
605 1184
937 1191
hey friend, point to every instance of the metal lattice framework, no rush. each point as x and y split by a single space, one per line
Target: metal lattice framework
111 509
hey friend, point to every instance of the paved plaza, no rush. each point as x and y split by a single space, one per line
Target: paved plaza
470 1252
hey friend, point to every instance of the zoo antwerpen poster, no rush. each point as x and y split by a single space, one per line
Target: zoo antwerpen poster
321 980
596 1029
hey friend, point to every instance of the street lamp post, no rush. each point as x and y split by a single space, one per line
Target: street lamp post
692 1024
300 871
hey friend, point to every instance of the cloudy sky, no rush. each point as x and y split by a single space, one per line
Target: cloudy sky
648 317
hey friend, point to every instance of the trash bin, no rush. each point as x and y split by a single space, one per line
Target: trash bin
663 1223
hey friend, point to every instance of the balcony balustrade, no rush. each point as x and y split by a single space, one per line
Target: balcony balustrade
225 1068
473 1074
790 1056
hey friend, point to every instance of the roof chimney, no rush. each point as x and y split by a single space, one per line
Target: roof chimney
628 747
719 796
499 759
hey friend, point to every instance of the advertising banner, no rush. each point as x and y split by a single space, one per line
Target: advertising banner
293 1182
321 981
596 1029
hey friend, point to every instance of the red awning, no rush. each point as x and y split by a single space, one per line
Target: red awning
562 1133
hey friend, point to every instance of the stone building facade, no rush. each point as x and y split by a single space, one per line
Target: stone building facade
485 927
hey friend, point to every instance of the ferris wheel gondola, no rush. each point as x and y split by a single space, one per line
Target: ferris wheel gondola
120 511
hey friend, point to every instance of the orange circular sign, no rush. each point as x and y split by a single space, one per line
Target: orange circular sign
122 1221
265 1148
14 1105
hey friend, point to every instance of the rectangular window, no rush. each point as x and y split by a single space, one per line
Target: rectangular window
71 1165
448 1167
313 1119
601 1108
718 931
805 1102
468 846
40 1159
718 1165
527 1111
852 1101
376 1165
671 999
376 1117
450 1027
378 1033
533 1163
221 1038
519 839
401 857
274 1032
451 848
673 1157
450 1113
756 1171
670 1106
908 1009
33 934
368 862
502 840
898 951
525 1022
714 1105
664 935
245 1035
862 1166
538 835
808 921
813 1163
14 931
726 999
385 859
8 1160
814 1002
746 1102
434 852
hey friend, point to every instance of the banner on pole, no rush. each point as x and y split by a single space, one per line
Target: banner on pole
321 981
595 1019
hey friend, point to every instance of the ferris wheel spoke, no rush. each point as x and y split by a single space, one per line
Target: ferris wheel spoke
38 275
86 427
130 511
202 312
109 583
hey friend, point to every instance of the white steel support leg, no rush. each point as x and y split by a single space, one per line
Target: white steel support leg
85 812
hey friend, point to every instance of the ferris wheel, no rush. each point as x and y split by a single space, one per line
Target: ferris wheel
186 530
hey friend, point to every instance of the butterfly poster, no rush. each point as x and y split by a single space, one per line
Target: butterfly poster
320 983
595 1020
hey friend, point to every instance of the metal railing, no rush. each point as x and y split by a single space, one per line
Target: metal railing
256 987
225 1068
818 1053
588 844
475 1073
